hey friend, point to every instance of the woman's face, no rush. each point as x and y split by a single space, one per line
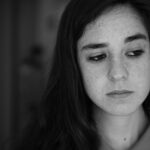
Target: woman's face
114 54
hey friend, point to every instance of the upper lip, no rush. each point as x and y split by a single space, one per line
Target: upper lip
119 92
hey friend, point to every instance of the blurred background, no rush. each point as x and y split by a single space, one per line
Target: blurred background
28 30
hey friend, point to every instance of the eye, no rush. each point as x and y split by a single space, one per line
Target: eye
97 57
136 53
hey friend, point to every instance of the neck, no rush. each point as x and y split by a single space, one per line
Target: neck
127 129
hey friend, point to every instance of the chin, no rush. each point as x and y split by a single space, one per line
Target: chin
122 110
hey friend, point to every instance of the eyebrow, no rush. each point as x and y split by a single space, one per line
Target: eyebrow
132 38
137 36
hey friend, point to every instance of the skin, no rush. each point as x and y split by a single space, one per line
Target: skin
116 65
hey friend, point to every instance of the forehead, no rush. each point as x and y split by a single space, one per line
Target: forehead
114 24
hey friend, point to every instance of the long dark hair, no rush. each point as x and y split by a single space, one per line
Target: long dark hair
64 118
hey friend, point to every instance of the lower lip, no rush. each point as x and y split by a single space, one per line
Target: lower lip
124 95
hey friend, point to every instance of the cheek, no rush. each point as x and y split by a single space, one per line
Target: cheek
140 77
94 80
141 71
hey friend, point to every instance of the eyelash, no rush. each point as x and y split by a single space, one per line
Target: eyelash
137 53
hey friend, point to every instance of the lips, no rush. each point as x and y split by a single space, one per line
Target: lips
119 94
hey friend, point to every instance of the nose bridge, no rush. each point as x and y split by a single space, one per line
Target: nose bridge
117 70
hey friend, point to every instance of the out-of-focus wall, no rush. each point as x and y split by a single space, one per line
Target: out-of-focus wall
49 14
5 69
9 85
28 30
38 28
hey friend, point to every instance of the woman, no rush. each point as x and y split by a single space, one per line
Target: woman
97 96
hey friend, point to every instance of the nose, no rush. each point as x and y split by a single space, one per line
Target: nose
117 71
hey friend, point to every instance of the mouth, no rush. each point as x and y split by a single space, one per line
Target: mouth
120 94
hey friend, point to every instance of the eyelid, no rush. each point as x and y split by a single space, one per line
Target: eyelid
100 57
137 52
